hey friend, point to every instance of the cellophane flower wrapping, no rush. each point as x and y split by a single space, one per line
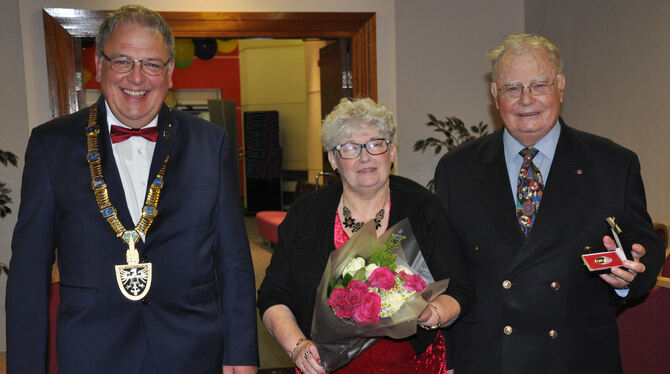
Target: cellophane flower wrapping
340 340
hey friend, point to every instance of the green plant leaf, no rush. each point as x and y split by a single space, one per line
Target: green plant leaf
360 275
345 280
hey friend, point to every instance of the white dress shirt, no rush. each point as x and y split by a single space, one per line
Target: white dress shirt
133 160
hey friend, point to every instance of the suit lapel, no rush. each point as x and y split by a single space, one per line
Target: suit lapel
491 181
167 131
563 186
110 171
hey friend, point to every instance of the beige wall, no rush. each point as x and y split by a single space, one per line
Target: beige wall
313 81
617 61
441 63
13 129
272 77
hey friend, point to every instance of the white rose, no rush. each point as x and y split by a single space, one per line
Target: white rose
369 269
353 266
404 268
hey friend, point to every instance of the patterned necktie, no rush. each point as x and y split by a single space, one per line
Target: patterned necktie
528 190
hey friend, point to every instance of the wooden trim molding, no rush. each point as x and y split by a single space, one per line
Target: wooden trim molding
63 29
663 282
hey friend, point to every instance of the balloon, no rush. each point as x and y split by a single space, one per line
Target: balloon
205 49
226 46
87 76
183 53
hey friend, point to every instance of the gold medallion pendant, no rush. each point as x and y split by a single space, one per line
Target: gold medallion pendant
134 278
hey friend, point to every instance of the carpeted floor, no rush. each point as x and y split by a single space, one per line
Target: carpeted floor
271 355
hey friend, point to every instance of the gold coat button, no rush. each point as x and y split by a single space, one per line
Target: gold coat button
507 284
587 248
475 248
555 286
553 334
508 330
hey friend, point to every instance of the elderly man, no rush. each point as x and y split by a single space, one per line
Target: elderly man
527 201
142 203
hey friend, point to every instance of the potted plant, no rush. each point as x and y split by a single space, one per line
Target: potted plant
453 133
6 157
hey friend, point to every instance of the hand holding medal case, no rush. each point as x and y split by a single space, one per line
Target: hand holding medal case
602 261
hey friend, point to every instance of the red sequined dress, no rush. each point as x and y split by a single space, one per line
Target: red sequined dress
389 356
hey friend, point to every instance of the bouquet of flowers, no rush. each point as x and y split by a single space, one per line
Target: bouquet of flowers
371 287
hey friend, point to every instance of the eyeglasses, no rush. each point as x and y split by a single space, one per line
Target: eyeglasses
374 147
514 91
126 64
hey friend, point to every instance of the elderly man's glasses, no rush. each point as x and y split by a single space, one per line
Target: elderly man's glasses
351 150
514 91
126 64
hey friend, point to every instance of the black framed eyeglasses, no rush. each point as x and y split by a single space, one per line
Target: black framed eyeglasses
125 64
514 91
374 147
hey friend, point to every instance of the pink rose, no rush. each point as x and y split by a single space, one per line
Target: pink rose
368 310
357 291
414 282
345 311
382 277
339 297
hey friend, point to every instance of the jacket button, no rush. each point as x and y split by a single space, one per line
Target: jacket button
475 248
553 334
587 248
507 284
508 330
555 286
146 301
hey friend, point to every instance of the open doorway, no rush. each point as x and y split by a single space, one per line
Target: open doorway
65 28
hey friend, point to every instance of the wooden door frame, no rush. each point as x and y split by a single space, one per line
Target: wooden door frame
64 28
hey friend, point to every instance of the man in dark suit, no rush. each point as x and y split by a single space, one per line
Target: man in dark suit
527 201
153 280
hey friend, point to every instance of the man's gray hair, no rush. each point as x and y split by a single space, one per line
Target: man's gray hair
521 41
139 15
347 117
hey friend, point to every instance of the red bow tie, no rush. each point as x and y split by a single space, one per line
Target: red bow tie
119 134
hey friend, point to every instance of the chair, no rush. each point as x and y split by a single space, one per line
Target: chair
644 325
269 220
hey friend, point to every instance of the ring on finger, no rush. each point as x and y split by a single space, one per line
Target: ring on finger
303 368
307 353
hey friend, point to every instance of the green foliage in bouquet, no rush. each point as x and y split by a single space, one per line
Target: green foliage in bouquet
385 254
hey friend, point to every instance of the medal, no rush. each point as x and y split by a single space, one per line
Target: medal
134 278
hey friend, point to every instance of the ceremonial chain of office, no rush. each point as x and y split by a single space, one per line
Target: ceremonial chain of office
134 279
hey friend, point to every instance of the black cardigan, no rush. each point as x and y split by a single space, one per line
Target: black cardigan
306 241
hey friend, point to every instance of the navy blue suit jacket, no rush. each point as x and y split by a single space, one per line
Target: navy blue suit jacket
549 288
199 313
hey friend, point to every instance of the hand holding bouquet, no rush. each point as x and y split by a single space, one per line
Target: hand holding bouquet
371 287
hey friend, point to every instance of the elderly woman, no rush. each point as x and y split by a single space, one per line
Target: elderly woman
359 138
